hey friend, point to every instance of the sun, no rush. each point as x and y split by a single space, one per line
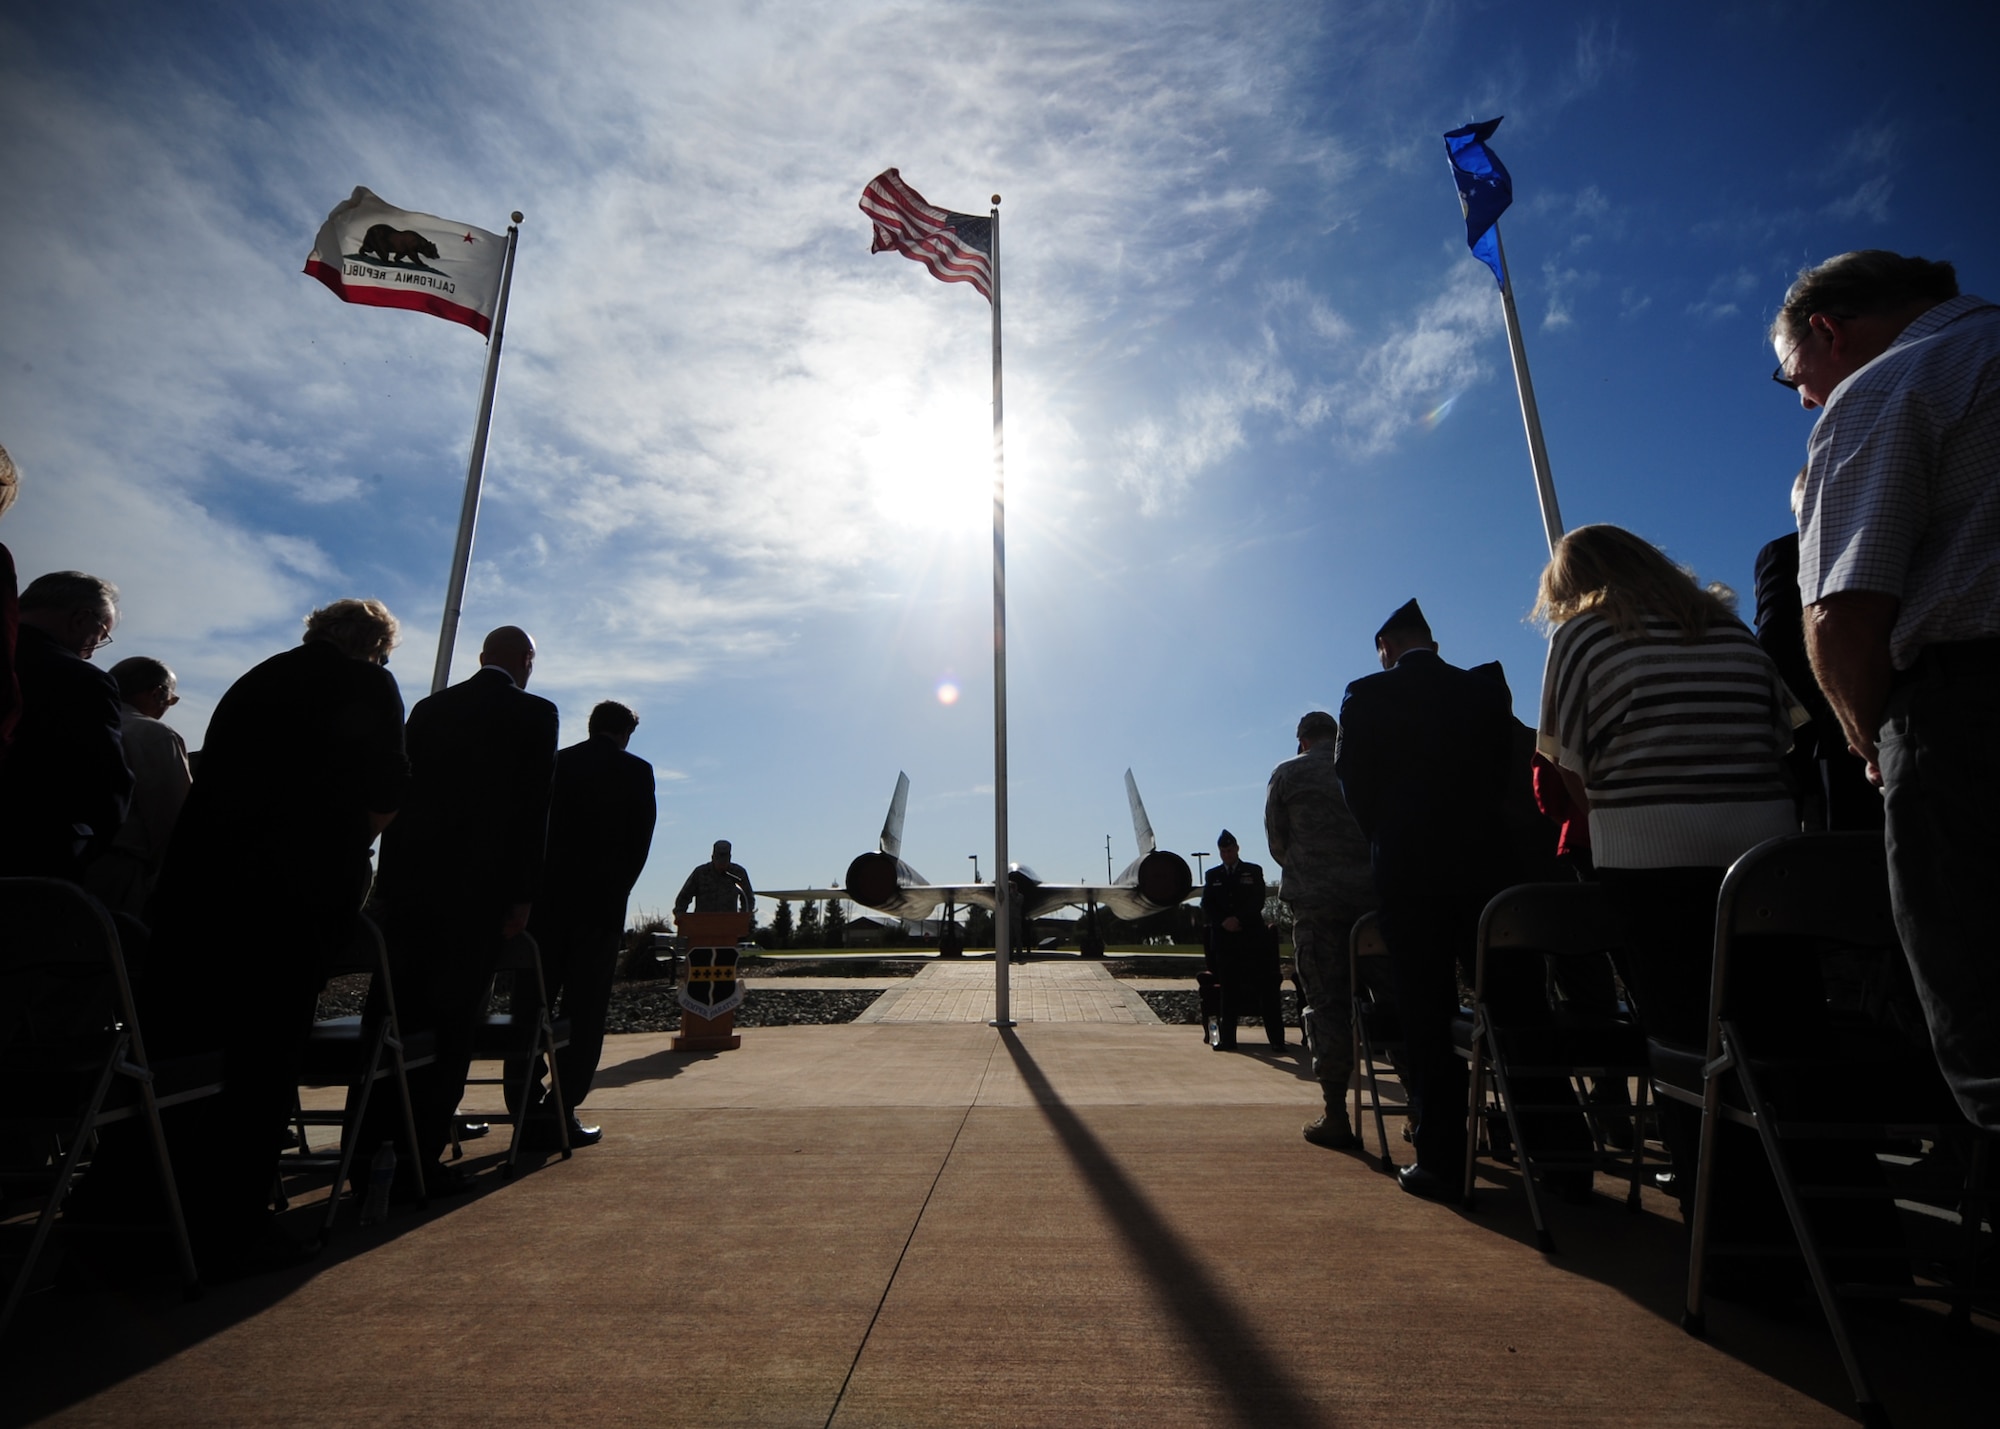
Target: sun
930 466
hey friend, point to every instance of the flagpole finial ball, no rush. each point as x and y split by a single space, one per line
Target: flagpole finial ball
517 215
996 198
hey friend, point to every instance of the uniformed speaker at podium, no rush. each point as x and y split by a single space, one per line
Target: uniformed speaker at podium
717 886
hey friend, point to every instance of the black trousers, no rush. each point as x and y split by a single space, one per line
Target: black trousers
1667 919
579 959
1246 963
246 982
442 957
1433 939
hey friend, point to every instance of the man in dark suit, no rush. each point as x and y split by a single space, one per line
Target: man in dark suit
600 830
64 787
264 871
1242 954
462 864
1424 760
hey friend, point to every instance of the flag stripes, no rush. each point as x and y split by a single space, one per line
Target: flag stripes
956 247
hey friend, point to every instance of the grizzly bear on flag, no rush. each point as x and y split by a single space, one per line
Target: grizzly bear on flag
393 245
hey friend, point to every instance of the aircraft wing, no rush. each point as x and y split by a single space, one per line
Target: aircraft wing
1128 901
905 900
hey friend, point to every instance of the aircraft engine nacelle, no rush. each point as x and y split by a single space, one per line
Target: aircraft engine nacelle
1164 878
877 879
1159 880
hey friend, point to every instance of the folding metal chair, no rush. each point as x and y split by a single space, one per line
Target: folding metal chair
504 1036
72 1058
1564 921
1378 1028
357 1052
1867 1087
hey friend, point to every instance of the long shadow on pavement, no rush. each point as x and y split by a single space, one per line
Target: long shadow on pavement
1259 1390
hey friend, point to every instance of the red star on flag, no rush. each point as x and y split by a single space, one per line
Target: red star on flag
468 238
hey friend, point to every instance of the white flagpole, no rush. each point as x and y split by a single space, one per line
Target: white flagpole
468 513
1531 417
1003 887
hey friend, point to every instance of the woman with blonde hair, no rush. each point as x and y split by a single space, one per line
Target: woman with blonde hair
1669 723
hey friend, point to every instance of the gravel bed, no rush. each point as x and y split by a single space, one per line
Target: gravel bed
1185 1007
654 1006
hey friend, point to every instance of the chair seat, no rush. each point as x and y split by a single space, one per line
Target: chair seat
1577 1043
335 1049
500 1035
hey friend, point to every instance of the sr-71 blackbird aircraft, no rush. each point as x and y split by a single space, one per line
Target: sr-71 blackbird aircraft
1155 881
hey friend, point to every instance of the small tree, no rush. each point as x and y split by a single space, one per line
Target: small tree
781 925
808 934
835 931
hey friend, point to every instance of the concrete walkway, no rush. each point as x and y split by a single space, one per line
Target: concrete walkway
1036 992
1064 1224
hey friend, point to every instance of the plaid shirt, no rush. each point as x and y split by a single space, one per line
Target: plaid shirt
1903 481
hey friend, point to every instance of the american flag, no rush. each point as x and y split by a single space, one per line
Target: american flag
956 247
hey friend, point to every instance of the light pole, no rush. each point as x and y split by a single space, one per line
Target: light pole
1199 868
1107 858
975 866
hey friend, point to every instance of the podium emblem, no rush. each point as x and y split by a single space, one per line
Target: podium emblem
711 987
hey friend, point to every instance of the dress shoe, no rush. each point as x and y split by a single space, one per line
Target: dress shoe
472 1130
541 1133
1332 1131
1421 1181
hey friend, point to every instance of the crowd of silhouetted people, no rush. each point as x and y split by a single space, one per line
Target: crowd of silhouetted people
236 877
1671 740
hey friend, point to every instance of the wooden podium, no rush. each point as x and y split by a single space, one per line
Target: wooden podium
710 991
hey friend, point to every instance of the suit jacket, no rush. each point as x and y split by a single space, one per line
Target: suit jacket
601 818
64 785
473 831
1425 757
299 752
1234 893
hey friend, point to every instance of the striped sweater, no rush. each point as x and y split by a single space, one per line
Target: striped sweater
1678 742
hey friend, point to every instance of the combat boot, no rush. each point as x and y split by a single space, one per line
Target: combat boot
1332 1130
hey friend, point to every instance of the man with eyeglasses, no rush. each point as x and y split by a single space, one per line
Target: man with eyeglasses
1899 572
64 786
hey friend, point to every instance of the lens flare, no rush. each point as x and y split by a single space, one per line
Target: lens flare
947 693
1441 411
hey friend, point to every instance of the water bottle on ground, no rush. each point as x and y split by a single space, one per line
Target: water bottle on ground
381 1178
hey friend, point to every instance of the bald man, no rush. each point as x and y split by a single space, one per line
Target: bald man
462 863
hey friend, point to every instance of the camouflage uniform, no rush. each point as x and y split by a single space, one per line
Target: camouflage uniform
1329 883
716 890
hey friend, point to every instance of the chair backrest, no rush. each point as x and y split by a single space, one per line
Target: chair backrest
1831 886
61 974
1366 941
1566 919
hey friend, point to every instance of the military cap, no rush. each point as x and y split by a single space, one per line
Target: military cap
1408 618
1225 837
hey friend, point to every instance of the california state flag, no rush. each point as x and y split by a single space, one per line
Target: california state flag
368 252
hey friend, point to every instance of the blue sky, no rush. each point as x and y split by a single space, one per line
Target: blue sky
1257 391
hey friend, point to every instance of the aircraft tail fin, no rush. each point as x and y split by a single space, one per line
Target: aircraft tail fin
1142 827
891 842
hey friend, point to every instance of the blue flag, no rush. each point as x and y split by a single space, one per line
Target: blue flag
1484 188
